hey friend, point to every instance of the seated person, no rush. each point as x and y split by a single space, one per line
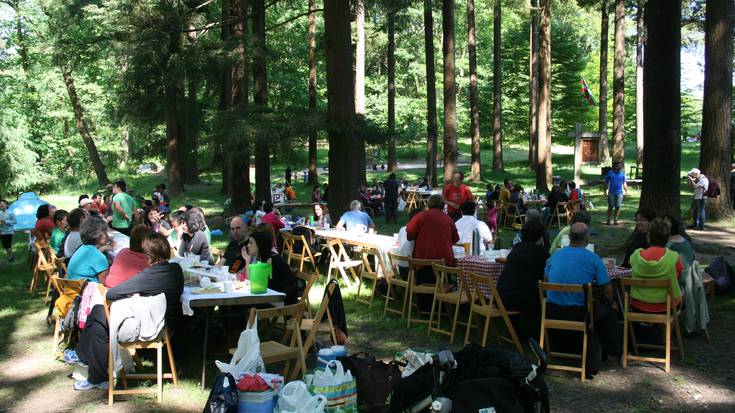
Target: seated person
193 238
533 215
516 198
73 239
160 277
576 265
655 262
579 216
518 283
44 220
289 193
679 241
405 247
238 237
152 218
89 260
424 184
576 194
555 196
639 238
321 216
129 261
504 194
468 224
271 216
174 236
259 249
57 235
316 194
355 220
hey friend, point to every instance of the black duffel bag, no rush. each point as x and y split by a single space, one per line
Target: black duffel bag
375 380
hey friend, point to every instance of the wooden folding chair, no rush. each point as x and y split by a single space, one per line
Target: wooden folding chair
318 324
55 269
443 296
475 286
163 340
394 280
287 250
309 280
290 347
44 266
512 217
341 261
560 213
63 287
411 200
416 289
585 326
573 206
306 255
370 272
669 318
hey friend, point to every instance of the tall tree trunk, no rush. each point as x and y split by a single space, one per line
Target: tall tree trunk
173 139
31 95
497 89
360 57
533 58
392 164
240 158
260 98
82 127
343 158
225 99
188 147
639 49
475 169
313 174
619 84
602 108
431 126
716 148
662 107
543 162
450 91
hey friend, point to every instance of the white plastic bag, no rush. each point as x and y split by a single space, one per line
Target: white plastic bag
247 358
414 360
327 377
295 398
401 204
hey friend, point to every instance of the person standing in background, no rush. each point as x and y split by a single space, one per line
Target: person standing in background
700 184
616 186
7 220
390 200
122 208
288 175
455 194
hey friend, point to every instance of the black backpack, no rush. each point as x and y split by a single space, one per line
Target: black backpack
224 396
713 190
722 273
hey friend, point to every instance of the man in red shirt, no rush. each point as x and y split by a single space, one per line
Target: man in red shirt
456 193
433 233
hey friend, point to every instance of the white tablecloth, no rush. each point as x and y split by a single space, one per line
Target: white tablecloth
188 299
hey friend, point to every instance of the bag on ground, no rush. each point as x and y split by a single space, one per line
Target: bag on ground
295 398
375 380
337 385
247 358
722 273
224 396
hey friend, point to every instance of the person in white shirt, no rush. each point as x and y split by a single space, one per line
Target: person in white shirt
405 247
468 223
73 239
700 184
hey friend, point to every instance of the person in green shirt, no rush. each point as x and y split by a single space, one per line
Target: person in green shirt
57 235
123 208
579 216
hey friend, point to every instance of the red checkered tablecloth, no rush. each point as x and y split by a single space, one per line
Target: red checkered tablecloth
484 267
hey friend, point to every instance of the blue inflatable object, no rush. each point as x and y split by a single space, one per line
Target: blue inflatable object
25 210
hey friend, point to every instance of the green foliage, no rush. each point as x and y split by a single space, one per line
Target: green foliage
18 169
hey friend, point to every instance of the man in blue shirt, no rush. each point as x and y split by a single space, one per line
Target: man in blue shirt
576 265
616 185
355 220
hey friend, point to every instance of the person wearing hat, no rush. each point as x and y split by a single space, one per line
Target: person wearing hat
616 186
700 184
88 205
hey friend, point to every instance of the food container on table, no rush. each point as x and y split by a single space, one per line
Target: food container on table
260 273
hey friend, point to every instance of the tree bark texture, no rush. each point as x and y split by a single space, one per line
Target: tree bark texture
602 104
497 89
260 98
661 107
173 139
392 163
313 173
82 127
225 99
360 57
476 164
716 147
619 84
450 91
639 50
431 125
343 158
533 58
240 76
543 163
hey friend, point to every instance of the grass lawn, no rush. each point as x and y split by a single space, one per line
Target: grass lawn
30 380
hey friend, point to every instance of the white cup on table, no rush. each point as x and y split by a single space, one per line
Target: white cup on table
229 286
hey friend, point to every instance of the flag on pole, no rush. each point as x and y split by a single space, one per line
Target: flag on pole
588 93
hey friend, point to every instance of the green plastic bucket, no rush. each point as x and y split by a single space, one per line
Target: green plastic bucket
259 275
